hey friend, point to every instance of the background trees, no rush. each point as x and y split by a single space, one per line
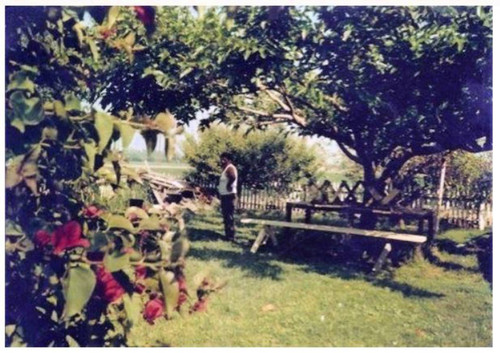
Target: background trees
466 173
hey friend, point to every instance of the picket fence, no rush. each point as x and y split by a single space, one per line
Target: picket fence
457 209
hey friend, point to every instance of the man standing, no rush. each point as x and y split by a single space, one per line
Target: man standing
227 190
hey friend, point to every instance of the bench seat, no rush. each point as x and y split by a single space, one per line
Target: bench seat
412 238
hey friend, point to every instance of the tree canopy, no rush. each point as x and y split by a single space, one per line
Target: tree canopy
386 83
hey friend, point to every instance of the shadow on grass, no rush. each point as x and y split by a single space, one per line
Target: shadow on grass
257 265
197 234
404 288
447 265
358 270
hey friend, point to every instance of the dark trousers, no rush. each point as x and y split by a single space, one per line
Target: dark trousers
228 205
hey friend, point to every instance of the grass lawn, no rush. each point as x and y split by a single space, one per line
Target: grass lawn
272 300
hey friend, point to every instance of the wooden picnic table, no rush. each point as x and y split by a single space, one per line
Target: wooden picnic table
421 216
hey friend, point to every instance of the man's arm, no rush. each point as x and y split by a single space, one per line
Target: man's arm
231 177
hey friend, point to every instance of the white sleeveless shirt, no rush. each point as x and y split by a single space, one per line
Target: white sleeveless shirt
223 182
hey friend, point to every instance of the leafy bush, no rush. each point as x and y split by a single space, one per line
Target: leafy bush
263 158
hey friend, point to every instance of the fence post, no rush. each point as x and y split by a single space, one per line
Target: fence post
480 217
440 196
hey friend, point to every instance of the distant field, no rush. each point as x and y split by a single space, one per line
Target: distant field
176 170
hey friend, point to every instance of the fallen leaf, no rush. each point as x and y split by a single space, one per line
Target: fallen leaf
420 333
268 307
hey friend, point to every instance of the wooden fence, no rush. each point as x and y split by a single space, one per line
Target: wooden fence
457 209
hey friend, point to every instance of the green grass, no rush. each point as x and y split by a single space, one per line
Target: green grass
317 302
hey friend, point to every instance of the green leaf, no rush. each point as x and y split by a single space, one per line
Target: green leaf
13 229
186 72
127 133
133 307
21 167
71 341
104 127
26 68
78 28
170 291
59 109
130 39
93 48
247 54
132 174
21 81
165 249
78 287
28 110
17 341
91 151
9 330
113 13
71 102
116 261
151 223
165 122
347 34
120 222
49 133
18 124
179 249
139 212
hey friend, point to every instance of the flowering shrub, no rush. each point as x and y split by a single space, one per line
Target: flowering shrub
78 273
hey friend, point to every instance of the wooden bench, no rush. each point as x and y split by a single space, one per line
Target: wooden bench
421 216
267 232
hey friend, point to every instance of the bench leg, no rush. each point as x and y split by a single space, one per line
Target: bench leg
381 259
263 234
273 239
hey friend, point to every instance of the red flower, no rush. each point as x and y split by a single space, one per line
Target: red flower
132 217
199 306
107 286
68 236
91 212
153 310
139 288
42 238
140 272
107 32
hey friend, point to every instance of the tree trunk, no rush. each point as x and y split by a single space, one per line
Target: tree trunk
368 221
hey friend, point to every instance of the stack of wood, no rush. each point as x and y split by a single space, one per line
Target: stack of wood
167 190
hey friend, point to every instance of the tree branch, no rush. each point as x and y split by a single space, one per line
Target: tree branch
348 153
279 118
288 106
